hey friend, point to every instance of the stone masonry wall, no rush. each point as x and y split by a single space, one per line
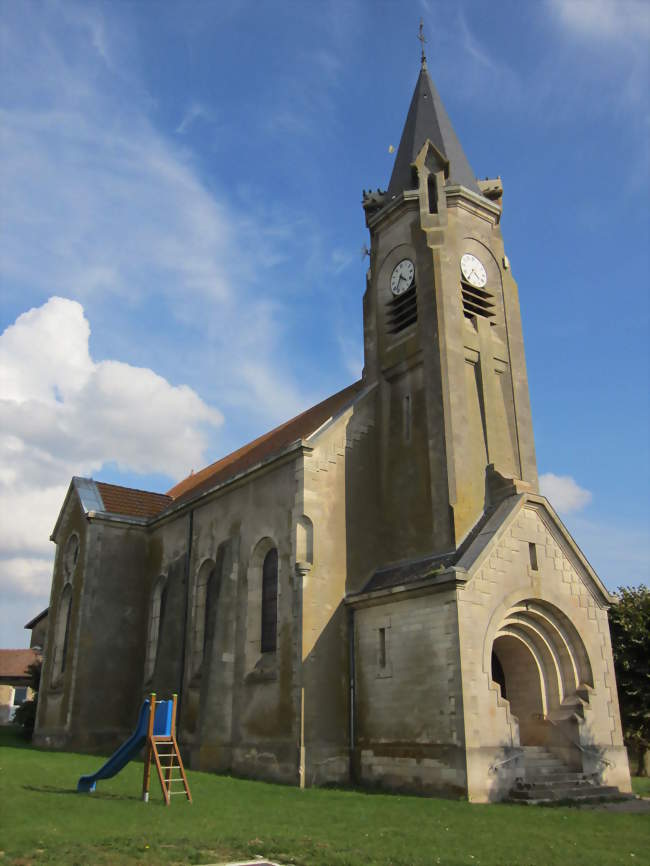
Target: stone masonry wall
409 730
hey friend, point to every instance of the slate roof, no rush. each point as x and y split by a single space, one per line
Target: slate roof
427 118
14 662
39 616
131 502
404 573
264 446
401 574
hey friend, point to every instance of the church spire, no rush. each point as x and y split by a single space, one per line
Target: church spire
427 118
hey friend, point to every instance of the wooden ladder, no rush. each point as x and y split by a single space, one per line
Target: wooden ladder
170 768
167 757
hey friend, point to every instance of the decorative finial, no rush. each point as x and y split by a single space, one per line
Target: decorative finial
422 39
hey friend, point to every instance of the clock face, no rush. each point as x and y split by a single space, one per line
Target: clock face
402 277
473 270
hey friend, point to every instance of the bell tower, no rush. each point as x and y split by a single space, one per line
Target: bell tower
442 341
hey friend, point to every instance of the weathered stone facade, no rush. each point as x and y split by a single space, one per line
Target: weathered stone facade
374 592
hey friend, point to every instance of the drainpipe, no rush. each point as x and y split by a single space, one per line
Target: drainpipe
352 732
188 560
301 571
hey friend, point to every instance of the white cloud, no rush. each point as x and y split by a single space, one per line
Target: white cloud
607 43
65 414
195 112
619 20
563 492
28 577
103 208
127 215
58 402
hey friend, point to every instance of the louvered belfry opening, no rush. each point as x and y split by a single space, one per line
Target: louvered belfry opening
402 311
477 302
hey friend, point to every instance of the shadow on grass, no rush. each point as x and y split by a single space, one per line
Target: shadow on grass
101 795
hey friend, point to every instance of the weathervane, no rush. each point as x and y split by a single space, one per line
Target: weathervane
422 39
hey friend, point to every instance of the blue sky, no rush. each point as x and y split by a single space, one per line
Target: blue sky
180 263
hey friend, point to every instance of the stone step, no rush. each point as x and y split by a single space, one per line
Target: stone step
540 756
547 769
538 752
541 794
549 781
543 759
564 782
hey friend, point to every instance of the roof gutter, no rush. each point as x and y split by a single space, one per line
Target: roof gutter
298 446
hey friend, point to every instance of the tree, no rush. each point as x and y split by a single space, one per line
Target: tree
26 713
630 627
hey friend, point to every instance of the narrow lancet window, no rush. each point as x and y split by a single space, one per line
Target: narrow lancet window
155 615
61 634
270 601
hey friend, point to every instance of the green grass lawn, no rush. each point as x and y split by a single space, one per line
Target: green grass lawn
43 821
641 785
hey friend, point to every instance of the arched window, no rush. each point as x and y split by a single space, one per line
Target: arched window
206 598
211 607
270 601
155 618
70 555
61 634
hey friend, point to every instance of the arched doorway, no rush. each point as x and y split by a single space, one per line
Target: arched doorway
540 663
517 672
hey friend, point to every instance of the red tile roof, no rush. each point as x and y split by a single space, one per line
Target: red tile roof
133 503
14 662
265 446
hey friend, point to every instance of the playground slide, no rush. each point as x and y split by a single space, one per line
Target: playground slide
129 749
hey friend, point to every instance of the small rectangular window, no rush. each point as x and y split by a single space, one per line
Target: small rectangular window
407 418
382 647
20 696
532 552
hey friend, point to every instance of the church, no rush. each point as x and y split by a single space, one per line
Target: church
373 593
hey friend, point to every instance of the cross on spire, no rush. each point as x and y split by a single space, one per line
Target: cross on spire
422 40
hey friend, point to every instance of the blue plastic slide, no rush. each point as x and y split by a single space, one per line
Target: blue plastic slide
128 750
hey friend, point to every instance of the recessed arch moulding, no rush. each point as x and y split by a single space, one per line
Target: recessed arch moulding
546 673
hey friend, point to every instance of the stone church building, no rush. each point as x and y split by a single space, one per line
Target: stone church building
374 592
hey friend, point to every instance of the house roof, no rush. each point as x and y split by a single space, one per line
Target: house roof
14 662
132 502
264 446
39 616
427 119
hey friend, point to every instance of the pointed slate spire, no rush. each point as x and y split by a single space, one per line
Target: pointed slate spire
427 118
